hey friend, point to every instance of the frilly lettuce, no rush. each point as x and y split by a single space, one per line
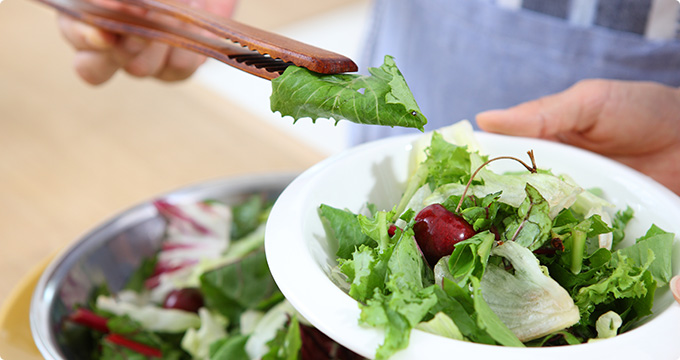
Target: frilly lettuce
197 342
381 98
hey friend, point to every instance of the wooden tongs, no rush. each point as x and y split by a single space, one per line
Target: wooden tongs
252 50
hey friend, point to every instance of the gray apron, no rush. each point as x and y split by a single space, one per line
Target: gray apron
461 57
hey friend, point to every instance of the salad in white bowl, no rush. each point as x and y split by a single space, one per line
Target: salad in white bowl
422 246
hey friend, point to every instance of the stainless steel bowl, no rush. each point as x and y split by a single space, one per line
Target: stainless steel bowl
112 251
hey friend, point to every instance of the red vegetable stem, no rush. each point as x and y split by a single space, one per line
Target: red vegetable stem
133 345
89 319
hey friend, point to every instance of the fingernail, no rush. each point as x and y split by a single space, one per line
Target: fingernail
93 37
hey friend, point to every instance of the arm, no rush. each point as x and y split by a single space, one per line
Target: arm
100 54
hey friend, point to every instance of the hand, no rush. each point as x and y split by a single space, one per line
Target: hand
100 54
636 123
675 287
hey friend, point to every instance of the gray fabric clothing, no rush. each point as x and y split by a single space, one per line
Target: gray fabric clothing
461 57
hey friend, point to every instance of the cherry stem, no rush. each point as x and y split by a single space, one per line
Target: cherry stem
532 169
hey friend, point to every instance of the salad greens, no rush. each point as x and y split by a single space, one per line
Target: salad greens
381 98
544 266
206 294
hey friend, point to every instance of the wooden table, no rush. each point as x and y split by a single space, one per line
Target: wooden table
72 155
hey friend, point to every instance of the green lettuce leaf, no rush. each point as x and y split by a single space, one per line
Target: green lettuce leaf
287 343
229 348
366 272
619 223
381 98
625 281
342 228
407 302
234 288
532 227
376 228
469 258
659 243
446 162
248 215
441 324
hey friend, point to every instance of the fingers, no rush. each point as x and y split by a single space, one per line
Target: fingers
223 8
675 287
180 65
100 54
551 117
95 67
83 36
149 61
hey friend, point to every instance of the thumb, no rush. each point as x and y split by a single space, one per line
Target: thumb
573 110
675 287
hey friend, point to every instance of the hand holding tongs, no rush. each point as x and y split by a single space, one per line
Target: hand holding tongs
250 49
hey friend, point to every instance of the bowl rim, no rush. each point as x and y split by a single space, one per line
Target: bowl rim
43 295
341 311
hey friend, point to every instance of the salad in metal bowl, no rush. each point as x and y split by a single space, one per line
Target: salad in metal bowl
525 259
206 294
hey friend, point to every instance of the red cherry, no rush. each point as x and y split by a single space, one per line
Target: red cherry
187 299
392 230
438 230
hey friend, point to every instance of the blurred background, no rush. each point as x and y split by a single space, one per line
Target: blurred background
73 155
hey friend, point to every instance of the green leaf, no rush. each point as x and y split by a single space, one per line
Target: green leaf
132 330
458 304
376 228
230 348
246 216
483 216
287 343
246 284
441 324
489 321
528 302
660 243
378 313
621 219
381 98
446 162
405 265
556 338
626 280
533 224
136 282
470 256
342 228
366 272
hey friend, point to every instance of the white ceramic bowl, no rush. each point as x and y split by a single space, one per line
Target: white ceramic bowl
300 257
